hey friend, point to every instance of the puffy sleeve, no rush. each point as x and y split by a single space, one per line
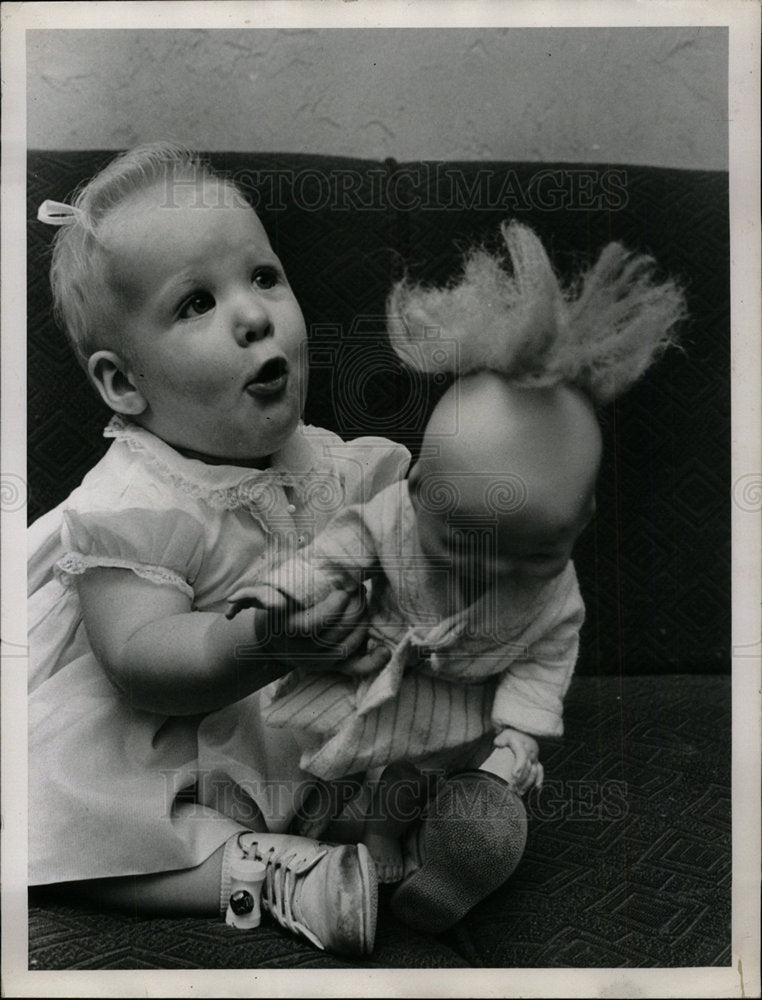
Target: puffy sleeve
163 546
367 465
43 548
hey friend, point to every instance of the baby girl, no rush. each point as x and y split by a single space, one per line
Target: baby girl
151 770
472 585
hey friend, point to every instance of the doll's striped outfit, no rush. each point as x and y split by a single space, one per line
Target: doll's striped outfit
505 661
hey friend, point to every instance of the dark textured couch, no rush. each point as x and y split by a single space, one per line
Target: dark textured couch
628 861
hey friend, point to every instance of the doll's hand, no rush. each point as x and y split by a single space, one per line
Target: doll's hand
320 635
528 771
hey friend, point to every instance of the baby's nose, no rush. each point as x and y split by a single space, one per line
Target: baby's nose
252 320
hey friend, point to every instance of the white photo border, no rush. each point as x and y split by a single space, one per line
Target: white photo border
742 17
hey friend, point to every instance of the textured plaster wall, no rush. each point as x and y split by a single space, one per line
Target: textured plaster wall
655 96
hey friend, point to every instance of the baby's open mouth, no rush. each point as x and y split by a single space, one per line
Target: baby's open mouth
270 379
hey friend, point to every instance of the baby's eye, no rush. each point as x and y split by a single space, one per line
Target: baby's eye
196 305
266 277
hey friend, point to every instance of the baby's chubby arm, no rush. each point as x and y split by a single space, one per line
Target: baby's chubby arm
166 658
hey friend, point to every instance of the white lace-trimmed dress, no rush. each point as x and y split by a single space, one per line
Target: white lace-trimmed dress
115 790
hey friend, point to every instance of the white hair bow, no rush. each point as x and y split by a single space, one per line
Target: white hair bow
56 213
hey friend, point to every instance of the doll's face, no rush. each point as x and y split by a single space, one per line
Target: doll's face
212 334
543 443
489 548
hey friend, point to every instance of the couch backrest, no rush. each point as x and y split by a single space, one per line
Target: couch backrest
655 565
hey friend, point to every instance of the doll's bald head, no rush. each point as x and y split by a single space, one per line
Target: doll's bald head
542 444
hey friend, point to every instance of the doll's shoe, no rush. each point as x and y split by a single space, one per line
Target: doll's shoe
327 894
470 841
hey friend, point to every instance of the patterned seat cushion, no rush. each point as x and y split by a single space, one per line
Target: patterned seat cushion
346 228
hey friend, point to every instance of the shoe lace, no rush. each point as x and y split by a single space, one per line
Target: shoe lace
283 877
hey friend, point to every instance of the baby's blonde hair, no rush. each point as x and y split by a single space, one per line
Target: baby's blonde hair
83 301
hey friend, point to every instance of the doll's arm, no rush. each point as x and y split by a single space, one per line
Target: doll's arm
166 658
338 559
527 770
529 696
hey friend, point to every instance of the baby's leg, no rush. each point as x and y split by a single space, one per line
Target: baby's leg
186 891
326 894
189 892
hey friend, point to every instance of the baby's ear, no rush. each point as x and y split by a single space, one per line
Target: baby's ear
113 381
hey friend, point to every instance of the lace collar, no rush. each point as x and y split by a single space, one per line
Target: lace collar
301 465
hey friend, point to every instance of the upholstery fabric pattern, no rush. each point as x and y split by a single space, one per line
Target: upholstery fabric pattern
627 862
628 859
655 565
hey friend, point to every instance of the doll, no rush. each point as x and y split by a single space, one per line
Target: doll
472 585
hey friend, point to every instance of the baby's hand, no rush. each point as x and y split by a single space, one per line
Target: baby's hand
528 771
263 596
350 656
319 635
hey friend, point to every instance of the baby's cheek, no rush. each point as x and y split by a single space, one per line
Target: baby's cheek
200 383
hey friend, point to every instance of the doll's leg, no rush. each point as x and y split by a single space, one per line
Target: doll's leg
397 797
382 803
332 810
501 762
468 844
326 894
375 809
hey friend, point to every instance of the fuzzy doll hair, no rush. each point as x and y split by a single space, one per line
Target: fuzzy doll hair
600 333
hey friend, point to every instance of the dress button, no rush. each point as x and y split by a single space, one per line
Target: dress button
304 538
291 508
